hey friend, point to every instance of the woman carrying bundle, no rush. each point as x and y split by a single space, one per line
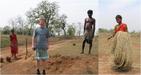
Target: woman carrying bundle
121 48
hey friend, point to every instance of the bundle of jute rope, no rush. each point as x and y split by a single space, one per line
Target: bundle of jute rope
122 50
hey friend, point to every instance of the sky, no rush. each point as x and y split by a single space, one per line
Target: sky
76 11
130 10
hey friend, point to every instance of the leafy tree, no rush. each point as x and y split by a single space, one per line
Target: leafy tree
56 26
71 30
6 30
49 10
59 24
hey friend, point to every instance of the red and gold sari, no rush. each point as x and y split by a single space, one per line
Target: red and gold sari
122 48
14 44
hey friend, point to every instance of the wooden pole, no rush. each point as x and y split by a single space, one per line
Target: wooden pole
26 48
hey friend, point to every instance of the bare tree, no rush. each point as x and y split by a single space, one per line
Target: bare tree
63 23
12 22
79 28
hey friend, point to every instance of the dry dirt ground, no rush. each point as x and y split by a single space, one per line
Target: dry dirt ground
66 58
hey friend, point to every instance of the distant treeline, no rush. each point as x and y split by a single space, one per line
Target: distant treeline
70 31
103 30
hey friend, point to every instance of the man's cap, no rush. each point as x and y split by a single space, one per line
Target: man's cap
41 17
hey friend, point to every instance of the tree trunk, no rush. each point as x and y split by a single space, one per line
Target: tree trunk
64 32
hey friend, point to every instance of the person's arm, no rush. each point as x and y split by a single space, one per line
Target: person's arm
94 28
48 36
16 38
10 40
34 40
113 33
126 28
84 25
48 44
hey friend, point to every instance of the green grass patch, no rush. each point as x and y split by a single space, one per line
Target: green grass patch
4 41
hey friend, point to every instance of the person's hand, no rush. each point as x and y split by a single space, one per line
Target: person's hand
33 48
47 46
84 32
13 45
109 38
92 36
